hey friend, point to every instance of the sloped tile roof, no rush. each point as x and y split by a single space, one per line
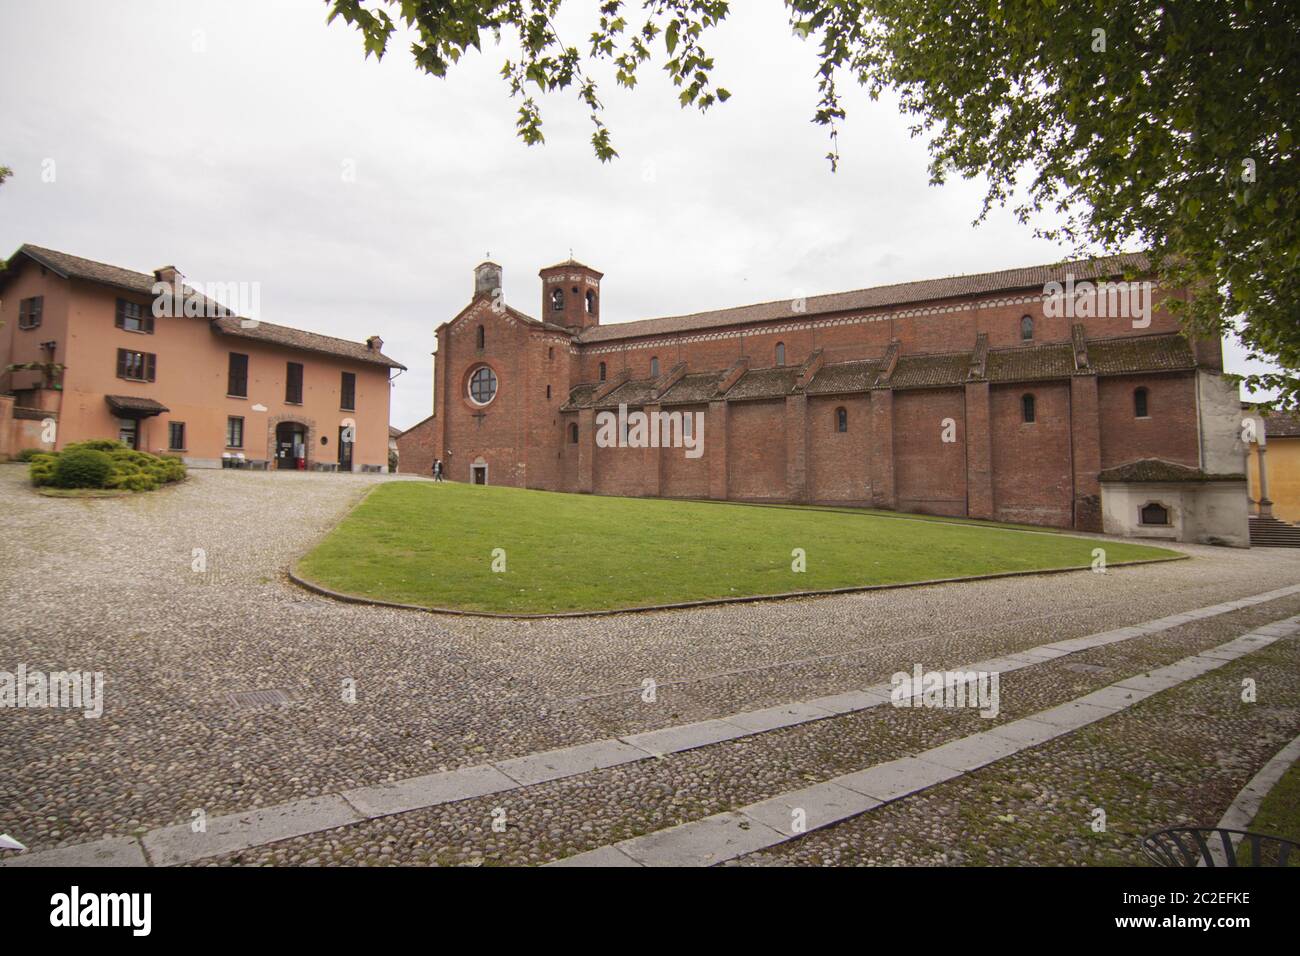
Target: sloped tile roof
692 388
134 404
844 377
764 383
75 267
878 297
1030 363
629 393
307 341
580 395
1150 353
931 371
1157 470
1278 425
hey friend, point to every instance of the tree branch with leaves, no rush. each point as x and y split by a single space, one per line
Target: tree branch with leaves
1164 124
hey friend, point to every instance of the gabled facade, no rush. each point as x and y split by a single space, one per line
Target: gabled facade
82 349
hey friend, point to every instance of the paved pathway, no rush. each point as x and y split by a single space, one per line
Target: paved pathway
726 836
108 585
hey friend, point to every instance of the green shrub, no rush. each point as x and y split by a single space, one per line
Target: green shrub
27 454
41 469
99 444
82 468
124 467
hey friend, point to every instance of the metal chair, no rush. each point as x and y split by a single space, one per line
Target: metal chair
1214 846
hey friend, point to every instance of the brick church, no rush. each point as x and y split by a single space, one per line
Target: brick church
975 395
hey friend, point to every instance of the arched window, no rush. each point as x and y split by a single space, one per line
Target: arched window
482 385
654 367
1154 513
550 353
1026 328
841 419
479 337
591 302
780 353
557 300
548 391
602 371
573 434
1027 410
1140 408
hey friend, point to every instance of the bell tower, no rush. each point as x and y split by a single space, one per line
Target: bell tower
571 295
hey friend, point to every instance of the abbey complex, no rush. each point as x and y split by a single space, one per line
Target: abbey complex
1061 395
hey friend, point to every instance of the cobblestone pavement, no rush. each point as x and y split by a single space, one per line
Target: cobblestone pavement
108 586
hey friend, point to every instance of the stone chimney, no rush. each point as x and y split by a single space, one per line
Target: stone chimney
374 343
487 278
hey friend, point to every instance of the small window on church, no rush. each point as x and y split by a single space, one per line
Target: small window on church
479 337
780 353
1027 409
654 367
557 300
548 391
1140 409
591 302
602 371
550 353
1026 328
841 419
1154 513
573 434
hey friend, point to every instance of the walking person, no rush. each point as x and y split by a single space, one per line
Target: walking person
437 470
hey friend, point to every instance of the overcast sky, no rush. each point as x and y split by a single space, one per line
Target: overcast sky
215 135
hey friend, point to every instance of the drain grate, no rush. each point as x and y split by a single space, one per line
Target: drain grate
253 699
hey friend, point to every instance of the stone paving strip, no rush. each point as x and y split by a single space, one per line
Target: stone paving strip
239 831
1242 813
727 836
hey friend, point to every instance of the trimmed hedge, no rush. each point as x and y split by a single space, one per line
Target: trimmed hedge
102 463
83 468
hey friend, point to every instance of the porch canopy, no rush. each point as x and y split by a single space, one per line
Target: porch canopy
130 406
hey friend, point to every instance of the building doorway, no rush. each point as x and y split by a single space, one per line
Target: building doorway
291 445
345 447
128 432
479 473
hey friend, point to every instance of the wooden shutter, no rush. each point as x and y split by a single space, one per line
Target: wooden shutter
150 365
121 363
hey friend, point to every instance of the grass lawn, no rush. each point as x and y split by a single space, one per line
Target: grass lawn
432 545
1279 814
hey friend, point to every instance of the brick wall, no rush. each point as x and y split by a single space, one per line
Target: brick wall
930 473
756 450
1032 479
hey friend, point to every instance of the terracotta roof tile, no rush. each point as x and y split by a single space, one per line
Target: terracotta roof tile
931 371
630 393
1278 425
1030 363
692 388
580 395
844 377
1153 353
307 341
76 267
1157 469
878 297
764 383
